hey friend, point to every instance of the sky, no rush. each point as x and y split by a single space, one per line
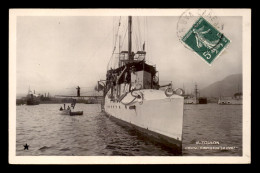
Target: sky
56 54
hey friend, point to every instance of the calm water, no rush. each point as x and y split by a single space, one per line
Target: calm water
49 133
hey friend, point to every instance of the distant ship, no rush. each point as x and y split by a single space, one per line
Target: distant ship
133 96
32 98
196 99
203 100
237 99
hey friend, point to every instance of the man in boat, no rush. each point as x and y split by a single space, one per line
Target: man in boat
61 108
73 103
68 108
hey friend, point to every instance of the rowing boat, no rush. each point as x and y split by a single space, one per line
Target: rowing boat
69 112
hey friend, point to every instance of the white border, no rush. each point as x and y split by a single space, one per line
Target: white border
245 158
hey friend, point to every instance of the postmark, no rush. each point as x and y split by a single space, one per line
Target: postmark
199 35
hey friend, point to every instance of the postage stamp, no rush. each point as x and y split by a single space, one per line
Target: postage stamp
205 40
190 16
137 92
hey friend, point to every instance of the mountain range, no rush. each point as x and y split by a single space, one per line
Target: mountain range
227 87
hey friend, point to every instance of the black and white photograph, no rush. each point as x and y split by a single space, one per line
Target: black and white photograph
129 86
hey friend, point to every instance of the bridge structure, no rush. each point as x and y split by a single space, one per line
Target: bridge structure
89 94
81 97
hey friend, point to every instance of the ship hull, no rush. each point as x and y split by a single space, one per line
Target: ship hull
158 117
230 102
69 112
203 101
32 102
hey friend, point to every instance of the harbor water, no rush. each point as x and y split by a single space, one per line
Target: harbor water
208 130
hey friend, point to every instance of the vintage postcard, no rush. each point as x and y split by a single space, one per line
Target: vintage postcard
129 86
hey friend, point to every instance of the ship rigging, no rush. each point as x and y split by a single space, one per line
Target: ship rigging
133 95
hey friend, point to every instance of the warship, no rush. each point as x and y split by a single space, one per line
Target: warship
134 97
32 98
196 99
237 99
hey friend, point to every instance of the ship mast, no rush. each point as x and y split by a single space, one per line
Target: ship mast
196 93
119 50
130 38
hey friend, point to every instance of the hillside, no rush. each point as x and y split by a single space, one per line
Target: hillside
226 87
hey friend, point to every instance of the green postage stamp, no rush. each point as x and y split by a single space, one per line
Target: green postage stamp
205 40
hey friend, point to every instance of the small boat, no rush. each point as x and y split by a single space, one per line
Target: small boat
65 112
76 113
71 113
68 111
